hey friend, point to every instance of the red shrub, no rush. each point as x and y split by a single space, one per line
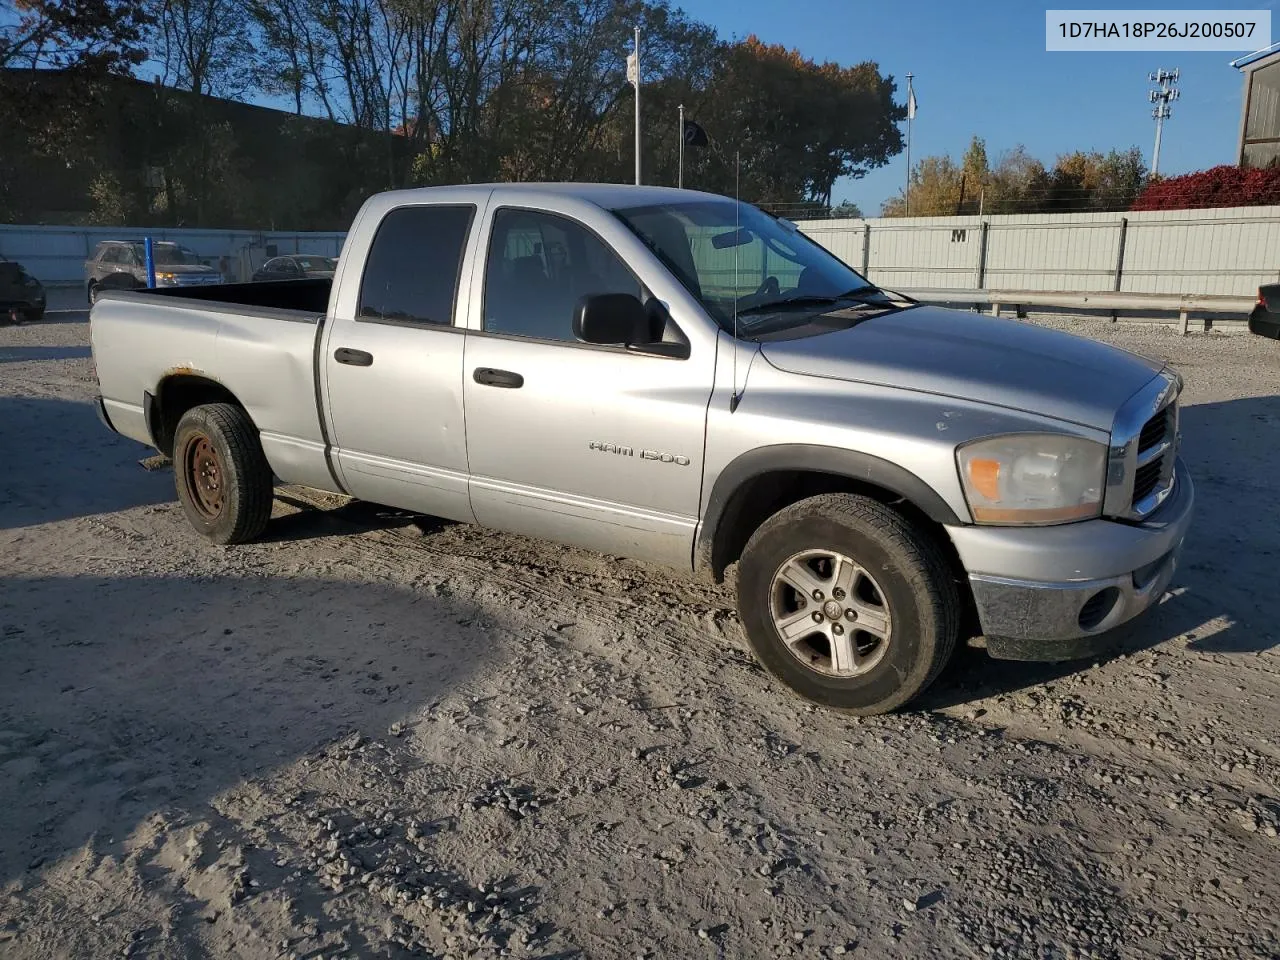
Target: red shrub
1224 186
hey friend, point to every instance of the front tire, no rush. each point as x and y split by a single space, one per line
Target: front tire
847 603
224 482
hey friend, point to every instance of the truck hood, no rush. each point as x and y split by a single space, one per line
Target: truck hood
184 268
975 357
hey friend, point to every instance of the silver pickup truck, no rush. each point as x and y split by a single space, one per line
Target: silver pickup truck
679 378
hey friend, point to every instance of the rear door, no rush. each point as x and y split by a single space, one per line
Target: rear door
393 365
593 445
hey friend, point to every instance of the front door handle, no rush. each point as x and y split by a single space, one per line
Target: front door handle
356 358
498 378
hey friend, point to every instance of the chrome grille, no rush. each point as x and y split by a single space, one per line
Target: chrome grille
1157 450
1144 450
1154 430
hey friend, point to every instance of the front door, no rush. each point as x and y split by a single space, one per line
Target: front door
394 369
596 446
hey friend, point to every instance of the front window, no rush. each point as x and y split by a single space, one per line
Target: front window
733 256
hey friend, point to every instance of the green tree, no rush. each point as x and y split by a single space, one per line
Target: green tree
1019 183
797 125
52 120
846 210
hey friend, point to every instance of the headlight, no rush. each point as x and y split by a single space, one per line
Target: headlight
1033 478
166 278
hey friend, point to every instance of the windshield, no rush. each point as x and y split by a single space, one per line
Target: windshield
165 254
753 264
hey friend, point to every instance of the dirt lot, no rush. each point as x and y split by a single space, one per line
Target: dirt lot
361 739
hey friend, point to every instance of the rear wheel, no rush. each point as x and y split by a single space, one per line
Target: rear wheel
847 603
224 482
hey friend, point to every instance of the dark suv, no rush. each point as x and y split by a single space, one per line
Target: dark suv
22 296
122 265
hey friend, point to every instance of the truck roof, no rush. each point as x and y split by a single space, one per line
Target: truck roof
601 194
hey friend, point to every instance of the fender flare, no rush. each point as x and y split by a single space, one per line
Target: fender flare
810 458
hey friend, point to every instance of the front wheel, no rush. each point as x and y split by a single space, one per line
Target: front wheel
847 603
224 482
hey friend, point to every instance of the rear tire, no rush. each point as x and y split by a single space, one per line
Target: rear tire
866 600
224 482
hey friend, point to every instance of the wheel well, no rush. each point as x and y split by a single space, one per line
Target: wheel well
176 395
765 494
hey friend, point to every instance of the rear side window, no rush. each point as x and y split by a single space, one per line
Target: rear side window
411 274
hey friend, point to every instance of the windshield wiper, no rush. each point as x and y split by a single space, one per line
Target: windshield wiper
807 299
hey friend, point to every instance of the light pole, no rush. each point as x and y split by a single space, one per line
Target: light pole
911 115
633 74
1161 98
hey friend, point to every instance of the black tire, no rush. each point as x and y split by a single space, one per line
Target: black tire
35 315
93 293
906 571
224 482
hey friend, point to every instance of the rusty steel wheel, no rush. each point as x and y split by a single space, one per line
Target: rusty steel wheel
223 478
204 474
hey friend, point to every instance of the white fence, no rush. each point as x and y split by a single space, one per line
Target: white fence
1228 251
56 255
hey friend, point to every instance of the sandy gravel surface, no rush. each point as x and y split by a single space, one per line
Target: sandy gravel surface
362 739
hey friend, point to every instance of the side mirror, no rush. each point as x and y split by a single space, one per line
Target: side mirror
611 318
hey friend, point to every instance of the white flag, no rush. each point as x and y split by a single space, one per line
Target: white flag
911 104
632 74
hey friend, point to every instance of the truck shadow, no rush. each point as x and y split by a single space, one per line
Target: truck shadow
312 522
1224 598
60 462
124 695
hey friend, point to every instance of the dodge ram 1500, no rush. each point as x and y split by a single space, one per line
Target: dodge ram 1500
676 377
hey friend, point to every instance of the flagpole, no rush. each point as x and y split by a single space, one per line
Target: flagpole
680 181
637 83
906 192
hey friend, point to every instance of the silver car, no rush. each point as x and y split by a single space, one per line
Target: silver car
679 378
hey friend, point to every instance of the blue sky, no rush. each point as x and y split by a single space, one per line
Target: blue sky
981 68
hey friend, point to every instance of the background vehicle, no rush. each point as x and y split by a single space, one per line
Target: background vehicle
122 265
675 377
1265 318
294 266
22 296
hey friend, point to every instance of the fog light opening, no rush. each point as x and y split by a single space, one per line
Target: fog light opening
1098 607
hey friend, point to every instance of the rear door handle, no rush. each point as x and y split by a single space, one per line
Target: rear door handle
356 358
498 378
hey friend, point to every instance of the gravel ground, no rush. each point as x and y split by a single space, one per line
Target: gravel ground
362 738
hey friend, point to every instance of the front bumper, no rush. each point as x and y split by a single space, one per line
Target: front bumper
1041 591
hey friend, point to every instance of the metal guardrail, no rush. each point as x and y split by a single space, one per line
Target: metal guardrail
1181 304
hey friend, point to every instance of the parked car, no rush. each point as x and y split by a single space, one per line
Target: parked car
122 265
1265 318
22 296
678 378
294 266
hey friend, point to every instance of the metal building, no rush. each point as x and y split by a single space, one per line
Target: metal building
1260 111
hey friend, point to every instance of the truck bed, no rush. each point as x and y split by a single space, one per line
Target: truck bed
309 295
256 340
